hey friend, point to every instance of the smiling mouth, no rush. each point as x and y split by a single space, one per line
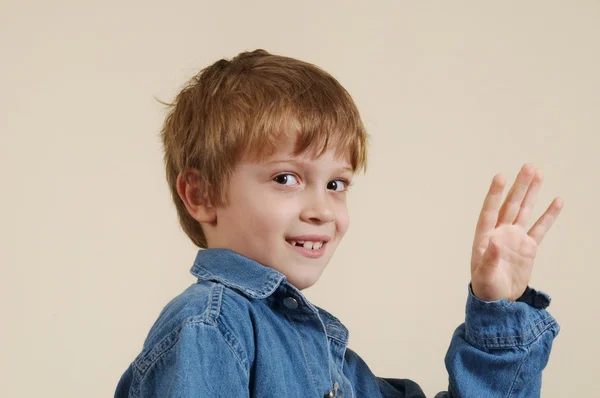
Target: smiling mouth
307 244
306 248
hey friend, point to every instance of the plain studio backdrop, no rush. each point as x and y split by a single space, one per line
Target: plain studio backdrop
451 93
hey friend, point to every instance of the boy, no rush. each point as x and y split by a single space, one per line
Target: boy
259 153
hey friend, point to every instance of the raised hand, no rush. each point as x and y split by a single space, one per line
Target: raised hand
503 251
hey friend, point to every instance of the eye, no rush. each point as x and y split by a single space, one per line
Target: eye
286 179
338 185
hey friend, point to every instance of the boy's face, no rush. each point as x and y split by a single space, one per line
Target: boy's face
283 208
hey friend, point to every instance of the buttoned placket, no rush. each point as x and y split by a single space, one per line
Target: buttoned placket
337 339
291 303
334 391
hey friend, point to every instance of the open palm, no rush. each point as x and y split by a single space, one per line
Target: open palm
503 251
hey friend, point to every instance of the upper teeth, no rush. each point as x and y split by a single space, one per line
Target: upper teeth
308 244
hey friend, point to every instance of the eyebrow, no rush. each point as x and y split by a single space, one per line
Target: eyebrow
303 163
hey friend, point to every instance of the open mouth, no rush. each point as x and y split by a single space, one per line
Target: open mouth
307 244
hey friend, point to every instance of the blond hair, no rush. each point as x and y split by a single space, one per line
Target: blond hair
238 108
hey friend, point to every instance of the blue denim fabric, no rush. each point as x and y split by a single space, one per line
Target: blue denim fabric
242 330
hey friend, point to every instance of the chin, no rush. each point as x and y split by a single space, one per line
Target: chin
304 285
302 282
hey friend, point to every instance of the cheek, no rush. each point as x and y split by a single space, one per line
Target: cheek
279 210
265 214
342 219
244 212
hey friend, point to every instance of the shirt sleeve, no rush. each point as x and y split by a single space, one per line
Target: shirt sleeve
502 347
499 351
199 361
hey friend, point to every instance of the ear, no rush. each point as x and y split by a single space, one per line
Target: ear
194 196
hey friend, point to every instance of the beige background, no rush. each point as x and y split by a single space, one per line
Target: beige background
451 92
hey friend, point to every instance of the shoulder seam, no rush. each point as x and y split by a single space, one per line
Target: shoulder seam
209 318
212 313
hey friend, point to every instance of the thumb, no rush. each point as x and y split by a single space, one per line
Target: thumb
491 257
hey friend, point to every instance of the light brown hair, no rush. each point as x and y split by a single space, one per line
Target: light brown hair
239 107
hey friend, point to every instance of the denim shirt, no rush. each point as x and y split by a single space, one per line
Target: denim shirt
242 330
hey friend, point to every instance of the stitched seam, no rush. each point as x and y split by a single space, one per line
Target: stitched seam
333 327
304 353
193 323
147 363
342 341
514 344
229 339
352 393
159 350
519 335
225 332
243 363
517 344
336 339
329 350
207 312
273 281
215 304
172 338
512 386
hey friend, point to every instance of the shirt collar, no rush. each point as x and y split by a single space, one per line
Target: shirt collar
257 281
237 272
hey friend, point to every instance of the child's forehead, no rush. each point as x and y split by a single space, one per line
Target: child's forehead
286 148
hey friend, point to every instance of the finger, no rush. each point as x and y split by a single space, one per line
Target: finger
530 198
516 194
491 205
543 224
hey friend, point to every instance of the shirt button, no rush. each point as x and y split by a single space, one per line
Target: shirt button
333 393
290 303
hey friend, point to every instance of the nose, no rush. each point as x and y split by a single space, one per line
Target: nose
318 209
